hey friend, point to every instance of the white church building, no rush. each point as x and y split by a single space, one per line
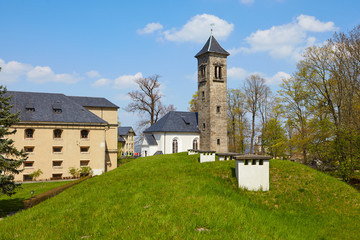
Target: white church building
175 132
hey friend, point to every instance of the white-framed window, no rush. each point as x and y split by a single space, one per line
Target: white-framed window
57 163
57 149
84 149
29 149
84 163
28 164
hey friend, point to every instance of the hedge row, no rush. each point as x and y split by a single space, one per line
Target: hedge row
30 202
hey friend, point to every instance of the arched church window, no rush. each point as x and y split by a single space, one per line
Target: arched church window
175 146
195 144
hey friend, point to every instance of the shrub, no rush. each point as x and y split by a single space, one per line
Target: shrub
75 172
35 174
86 171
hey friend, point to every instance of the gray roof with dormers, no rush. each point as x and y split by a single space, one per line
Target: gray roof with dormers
93 102
50 107
212 46
122 131
175 121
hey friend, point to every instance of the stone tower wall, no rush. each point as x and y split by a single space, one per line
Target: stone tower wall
212 102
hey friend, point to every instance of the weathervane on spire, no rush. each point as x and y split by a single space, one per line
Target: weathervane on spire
212 26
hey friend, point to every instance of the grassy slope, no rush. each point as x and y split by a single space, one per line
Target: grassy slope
171 196
14 203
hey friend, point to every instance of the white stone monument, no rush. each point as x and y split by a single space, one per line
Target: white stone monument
207 156
252 172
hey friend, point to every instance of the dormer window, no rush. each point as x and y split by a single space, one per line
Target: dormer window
57 107
186 120
29 107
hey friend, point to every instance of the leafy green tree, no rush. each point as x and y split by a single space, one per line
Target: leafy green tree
10 158
297 111
274 139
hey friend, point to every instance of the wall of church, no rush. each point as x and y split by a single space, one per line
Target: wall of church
185 141
165 143
148 150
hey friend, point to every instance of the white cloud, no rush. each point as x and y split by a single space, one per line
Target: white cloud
101 82
287 40
93 74
311 24
150 28
237 73
277 78
127 81
45 74
12 71
247 2
197 29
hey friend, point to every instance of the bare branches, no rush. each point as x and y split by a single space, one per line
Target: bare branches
255 91
147 101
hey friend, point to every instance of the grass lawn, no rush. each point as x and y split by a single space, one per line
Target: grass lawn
174 196
14 203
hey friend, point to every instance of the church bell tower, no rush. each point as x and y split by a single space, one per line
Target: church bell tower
212 98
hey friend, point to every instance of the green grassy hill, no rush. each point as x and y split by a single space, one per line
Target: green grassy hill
174 196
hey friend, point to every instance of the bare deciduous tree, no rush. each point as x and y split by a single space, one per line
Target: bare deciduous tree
237 122
147 101
254 90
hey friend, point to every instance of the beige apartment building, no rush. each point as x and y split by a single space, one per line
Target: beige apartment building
126 141
61 132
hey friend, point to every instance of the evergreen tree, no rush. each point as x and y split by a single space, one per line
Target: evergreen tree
10 158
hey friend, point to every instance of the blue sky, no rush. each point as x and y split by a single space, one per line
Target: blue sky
98 48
